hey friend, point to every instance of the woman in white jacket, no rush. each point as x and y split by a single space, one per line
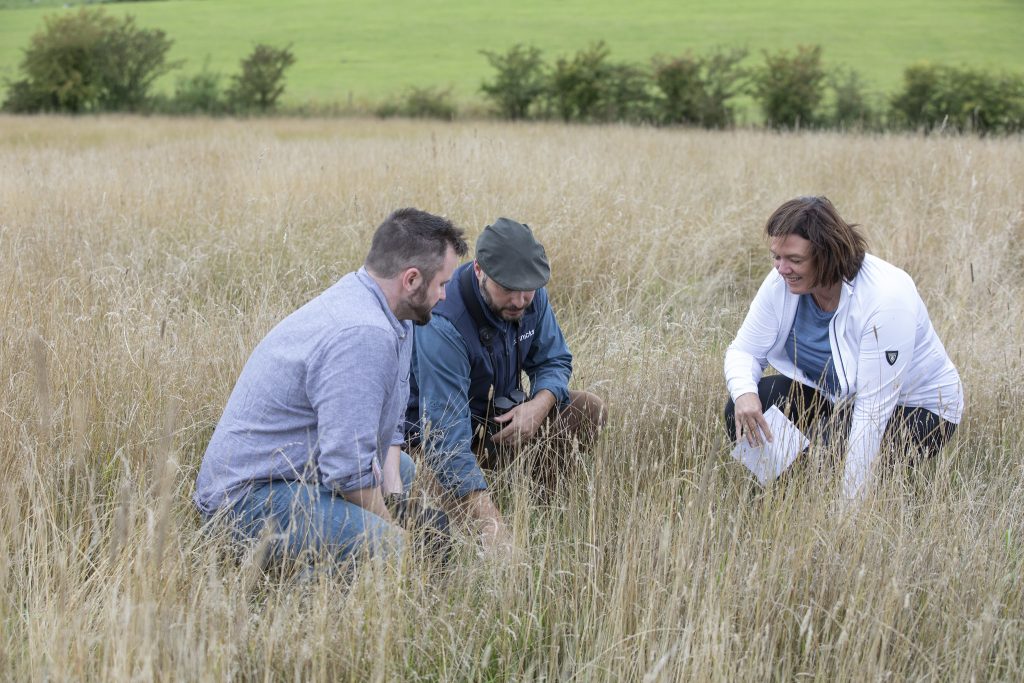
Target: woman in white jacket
852 341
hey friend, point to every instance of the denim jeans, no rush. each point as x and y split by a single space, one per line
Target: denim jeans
308 521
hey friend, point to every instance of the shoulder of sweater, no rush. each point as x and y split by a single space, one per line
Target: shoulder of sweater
881 283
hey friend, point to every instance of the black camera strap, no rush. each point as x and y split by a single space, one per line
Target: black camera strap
488 332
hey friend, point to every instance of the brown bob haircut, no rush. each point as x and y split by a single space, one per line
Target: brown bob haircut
836 246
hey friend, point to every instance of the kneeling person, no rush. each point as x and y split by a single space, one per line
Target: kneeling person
495 323
315 422
852 342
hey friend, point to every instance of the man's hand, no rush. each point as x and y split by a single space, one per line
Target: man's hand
391 472
371 500
481 510
524 421
750 422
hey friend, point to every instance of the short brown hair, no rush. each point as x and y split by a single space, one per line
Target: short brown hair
837 247
410 238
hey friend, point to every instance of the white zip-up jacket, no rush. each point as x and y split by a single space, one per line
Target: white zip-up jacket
884 349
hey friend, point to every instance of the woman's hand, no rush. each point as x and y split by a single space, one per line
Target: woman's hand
750 422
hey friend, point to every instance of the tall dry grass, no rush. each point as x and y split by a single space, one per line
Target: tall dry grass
143 259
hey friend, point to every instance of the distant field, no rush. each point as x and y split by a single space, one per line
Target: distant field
368 50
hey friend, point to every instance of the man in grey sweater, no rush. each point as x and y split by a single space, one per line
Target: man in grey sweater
311 436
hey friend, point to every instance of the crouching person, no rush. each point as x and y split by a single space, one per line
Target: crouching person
468 404
310 440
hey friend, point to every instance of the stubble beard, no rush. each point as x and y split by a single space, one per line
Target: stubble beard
499 312
420 312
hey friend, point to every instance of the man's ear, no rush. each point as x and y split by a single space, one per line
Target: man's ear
411 278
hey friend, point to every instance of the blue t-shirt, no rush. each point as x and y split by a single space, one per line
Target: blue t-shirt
808 345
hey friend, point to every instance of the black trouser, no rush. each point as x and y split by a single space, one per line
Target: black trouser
919 428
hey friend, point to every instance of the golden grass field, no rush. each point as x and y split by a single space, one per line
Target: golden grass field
142 259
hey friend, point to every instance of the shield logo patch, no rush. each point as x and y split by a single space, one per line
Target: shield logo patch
891 356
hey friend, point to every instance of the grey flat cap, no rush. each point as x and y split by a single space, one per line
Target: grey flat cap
510 255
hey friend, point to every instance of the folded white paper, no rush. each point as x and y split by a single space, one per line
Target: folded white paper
770 460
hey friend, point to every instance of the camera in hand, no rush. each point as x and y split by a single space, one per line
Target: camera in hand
503 404
500 406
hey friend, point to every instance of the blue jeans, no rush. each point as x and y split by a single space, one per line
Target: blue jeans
310 521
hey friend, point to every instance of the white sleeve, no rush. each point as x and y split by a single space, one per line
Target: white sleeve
747 356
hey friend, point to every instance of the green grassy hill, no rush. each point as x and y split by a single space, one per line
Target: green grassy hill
368 50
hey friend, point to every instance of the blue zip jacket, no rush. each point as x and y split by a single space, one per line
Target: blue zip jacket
454 376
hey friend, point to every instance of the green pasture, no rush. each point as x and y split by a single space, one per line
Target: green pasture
368 50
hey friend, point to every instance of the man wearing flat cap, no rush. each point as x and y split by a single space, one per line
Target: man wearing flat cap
467 401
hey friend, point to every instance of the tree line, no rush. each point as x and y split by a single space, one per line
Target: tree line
91 62
792 89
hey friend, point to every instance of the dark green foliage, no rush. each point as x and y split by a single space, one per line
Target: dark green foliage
913 106
133 58
851 107
261 80
790 88
89 61
199 93
575 86
23 98
588 87
696 90
626 95
62 65
959 99
519 82
421 103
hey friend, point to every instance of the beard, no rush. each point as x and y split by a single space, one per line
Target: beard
508 314
420 311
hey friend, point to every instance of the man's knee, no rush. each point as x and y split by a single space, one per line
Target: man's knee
590 406
306 520
586 414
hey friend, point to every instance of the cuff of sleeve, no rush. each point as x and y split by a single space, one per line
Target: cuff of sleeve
458 474
743 389
365 481
398 438
560 391
474 481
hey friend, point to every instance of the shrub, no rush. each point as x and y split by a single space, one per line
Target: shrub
420 103
89 61
520 80
961 99
788 88
574 89
199 93
261 80
588 87
625 95
697 90
132 58
851 107
23 97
